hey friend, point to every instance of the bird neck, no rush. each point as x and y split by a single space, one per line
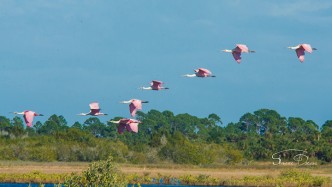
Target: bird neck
294 47
190 75
228 50
146 88
115 121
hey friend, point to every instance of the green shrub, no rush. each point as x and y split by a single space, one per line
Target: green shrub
101 173
43 154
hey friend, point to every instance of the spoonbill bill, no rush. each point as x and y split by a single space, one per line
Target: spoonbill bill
200 72
155 85
236 52
300 49
94 110
134 105
28 116
131 125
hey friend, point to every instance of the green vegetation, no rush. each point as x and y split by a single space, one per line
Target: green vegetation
286 178
105 173
165 137
102 173
33 177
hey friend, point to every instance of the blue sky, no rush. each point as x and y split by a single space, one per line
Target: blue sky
58 56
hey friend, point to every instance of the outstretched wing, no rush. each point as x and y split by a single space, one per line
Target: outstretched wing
237 56
243 48
307 47
94 105
132 126
94 108
300 53
134 106
156 84
121 127
204 72
28 117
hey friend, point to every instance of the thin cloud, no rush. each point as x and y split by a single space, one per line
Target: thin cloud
299 8
304 11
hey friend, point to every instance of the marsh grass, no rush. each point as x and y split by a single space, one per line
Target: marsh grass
103 172
32 177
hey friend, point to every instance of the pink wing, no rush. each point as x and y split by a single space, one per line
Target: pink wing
300 53
28 117
307 47
94 108
204 72
132 126
121 127
134 106
94 105
156 85
237 56
243 48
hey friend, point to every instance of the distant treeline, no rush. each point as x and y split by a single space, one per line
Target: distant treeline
163 136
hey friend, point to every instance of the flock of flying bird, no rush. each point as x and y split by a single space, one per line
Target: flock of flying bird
131 125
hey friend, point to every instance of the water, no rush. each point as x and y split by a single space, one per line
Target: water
52 185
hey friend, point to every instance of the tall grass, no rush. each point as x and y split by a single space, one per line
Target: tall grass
105 173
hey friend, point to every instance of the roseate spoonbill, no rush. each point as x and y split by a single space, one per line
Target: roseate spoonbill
130 124
155 85
236 52
94 110
200 72
28 116
300 49
135 104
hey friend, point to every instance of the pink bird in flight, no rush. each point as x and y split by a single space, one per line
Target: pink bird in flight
237 51
300 49
155 85
200 72
131 125
134 105
94 110
28 116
